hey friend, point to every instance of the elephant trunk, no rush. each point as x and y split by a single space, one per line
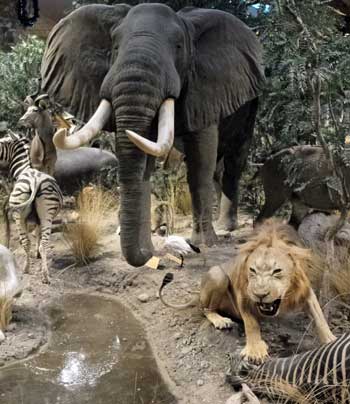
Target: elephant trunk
135 233
135 191
135 168
138 88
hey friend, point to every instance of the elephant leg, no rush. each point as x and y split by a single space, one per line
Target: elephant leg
299 211
237 132
217 186
273 201
200 150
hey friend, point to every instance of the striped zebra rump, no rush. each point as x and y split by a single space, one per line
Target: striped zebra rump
319 375
30 185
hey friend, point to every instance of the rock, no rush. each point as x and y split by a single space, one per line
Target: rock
204 365
186 350
3 126
12 327
177 335
2 336
200 382
143 297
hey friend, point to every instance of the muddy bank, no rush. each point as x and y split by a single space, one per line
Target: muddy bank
190 352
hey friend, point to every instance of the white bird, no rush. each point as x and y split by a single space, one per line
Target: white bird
179 245
172 244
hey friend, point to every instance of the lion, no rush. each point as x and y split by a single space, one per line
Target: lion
266 278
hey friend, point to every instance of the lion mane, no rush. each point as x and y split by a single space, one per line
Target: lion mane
277 234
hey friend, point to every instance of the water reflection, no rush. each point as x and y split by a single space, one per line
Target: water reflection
98 354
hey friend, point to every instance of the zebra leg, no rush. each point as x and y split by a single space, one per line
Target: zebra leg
44 249
48 202
22 228
316 314
37 246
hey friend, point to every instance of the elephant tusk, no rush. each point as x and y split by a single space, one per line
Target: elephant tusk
87 132
165 132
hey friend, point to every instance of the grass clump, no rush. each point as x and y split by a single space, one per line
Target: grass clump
94 204
5 312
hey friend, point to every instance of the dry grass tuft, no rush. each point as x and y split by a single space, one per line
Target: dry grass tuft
5 312
94 204
340 282
339 274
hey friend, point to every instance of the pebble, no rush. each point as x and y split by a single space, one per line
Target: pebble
177 335
12 327
200 382
186 350
143 297
204 365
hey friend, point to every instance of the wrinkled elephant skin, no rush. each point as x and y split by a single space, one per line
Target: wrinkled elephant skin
122 68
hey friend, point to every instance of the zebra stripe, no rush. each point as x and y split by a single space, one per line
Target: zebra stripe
14 150
321 373
33 192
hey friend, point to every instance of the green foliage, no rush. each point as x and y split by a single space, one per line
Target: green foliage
303 44
236 7
19 71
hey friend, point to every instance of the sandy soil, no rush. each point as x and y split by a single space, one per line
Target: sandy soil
192 355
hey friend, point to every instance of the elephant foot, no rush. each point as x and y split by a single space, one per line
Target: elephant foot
227 220
226 224
208 237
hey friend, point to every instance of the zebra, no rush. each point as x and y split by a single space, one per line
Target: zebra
36 197
315 376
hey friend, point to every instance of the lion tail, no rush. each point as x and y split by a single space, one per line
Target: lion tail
168 278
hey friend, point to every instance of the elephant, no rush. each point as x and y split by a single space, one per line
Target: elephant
304 176
154 75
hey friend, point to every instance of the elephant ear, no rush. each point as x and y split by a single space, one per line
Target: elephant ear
78 56
226 69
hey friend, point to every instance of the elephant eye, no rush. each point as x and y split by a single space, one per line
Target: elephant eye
252 271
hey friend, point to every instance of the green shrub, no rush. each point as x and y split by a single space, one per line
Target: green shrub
19 73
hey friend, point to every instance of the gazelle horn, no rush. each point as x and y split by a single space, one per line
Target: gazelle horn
87 132
165 132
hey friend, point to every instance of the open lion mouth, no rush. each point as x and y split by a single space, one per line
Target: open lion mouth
269 309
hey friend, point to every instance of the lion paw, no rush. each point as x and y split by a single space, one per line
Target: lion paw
223 322
219 321
256 353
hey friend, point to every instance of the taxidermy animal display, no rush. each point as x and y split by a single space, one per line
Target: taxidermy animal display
9 287
36 197
304 176
175 245
71 168
266 278
320 375
125 68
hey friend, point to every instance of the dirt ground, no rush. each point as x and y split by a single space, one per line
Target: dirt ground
192 355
